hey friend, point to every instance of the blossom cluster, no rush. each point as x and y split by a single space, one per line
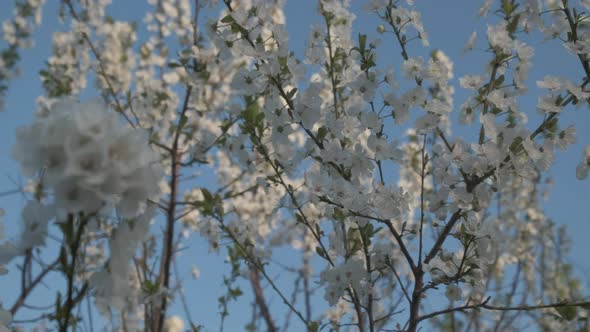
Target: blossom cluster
35 222
16 32
112 285
89 159
338 279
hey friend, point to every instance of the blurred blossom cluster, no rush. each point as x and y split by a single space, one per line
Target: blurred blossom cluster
90 160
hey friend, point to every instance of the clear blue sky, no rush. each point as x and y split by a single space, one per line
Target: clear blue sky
448 24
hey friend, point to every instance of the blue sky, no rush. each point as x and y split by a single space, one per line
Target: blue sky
448 24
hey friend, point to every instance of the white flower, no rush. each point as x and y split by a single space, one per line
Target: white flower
485 7
131 201
439 269
112 286
318 183
196 273
35 219
308 105
584 166
171 77
548 104
123 154
426 122
413 67
489 124
437 107
339 278
91 120
5 319
27 151
582 171
173 324
55 165
542 156
453 293
552 83
566 137
501 100
440 67
365 86
247 82
89 158
72 197
470 42
485 249
532 149
499 38
472 82
89 164
577 47
375 5
467 112
525 52
9 251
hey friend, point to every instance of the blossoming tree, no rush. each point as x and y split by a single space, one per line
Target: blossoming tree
391 219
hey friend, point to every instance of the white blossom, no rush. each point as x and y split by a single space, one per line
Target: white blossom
470 42
5 319
174 324
584 166
89 158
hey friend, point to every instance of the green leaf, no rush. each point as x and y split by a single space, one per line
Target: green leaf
512 25
338 215
362 43
313 326
292 93
322 132
207 195
282 60
499 81
567 313
63 258
234 293
508 7
299 218
67 229
227 19
320 252
182 122
150 287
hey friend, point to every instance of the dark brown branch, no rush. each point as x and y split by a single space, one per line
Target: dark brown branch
485 305
258 265
70 271
159 312
442 237
28 289
261 301
467 306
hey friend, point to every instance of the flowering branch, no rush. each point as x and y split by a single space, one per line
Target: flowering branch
102 70
484 305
